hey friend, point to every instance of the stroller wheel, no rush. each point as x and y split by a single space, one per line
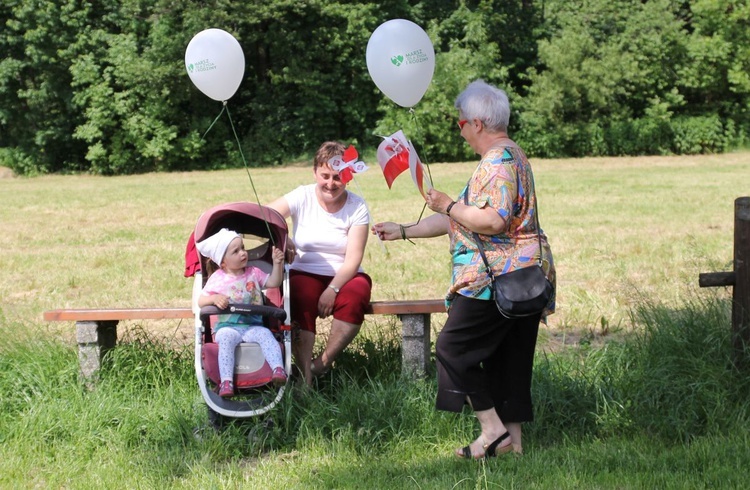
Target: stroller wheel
216 420
199 433
259 433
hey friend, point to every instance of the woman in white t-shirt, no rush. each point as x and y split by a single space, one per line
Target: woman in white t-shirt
330 230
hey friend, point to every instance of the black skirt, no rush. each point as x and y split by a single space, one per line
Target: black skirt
486 359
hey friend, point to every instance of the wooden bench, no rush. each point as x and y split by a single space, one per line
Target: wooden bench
96 329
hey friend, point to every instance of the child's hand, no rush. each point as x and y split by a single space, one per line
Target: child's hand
220 301
278 256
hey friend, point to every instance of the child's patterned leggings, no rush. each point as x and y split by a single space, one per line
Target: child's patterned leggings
229 337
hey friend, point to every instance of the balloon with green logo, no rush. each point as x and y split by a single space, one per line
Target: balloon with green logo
401 61
215 63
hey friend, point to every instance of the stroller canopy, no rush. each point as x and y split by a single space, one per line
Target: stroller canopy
246 218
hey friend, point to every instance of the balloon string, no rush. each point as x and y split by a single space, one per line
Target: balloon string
429 173
212 124
421 134
252 184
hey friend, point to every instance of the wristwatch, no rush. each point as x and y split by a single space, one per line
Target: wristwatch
334 288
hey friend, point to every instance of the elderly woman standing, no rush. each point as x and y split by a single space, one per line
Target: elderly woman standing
485 359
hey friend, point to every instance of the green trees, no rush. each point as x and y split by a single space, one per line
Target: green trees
37 117
99 86
92 86
126 89
306 76
621 77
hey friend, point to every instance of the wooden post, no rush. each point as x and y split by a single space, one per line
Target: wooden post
739 278
741 294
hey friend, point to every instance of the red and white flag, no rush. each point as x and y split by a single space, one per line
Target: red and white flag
347 164
396 154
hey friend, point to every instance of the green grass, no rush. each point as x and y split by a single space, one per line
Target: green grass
633 384
660 409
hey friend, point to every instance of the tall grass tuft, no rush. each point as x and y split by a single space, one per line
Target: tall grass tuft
683 382
34 371
672 377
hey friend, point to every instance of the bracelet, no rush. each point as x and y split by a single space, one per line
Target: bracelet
450 206
403 233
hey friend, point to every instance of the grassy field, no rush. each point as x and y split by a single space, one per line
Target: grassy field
620 228
633 386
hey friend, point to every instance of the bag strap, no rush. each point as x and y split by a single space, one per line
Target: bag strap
507 142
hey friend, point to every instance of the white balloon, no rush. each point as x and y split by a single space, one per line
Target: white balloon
401 61
215 63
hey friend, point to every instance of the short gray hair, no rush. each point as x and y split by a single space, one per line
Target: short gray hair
485 102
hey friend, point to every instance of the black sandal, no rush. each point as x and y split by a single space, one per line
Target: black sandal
491 450
466 453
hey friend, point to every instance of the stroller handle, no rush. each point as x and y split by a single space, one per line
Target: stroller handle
249 309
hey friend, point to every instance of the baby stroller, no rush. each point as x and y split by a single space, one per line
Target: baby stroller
261 228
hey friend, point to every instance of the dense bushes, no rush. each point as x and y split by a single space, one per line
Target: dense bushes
619 77
100 86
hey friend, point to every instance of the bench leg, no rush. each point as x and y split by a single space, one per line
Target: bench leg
94 340
415 354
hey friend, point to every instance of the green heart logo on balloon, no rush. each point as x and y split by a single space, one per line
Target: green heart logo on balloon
397 60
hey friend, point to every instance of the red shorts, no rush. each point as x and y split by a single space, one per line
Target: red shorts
305 290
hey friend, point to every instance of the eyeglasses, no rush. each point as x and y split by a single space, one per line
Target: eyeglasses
462 123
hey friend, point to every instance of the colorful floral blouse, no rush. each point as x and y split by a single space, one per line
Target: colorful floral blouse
504 181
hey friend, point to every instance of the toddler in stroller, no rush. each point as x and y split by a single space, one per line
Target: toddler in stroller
258 382
237 282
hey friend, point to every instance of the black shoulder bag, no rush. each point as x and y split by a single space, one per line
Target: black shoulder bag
522 292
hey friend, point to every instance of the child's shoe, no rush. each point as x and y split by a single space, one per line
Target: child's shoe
226 389
279 376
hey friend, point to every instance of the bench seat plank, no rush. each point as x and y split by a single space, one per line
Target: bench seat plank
102 314
412 307
97 329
